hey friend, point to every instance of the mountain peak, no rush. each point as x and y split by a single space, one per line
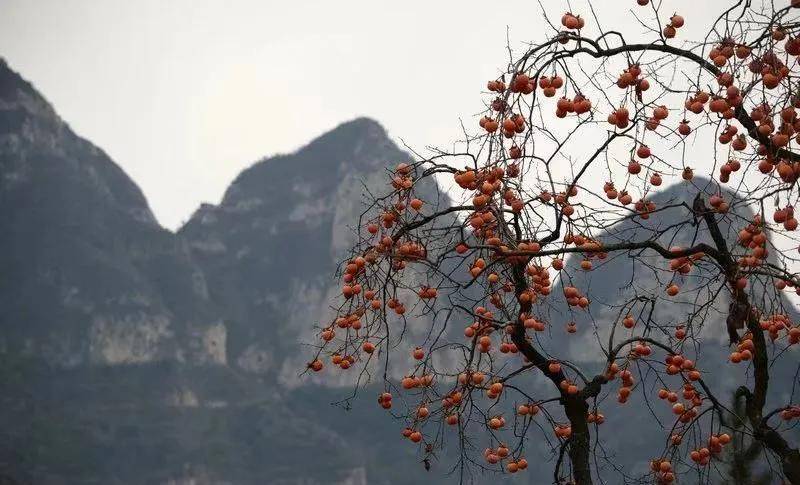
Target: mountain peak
357 140
361 126
360 145
15 89
38 150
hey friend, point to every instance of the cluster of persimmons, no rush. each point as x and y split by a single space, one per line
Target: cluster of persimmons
515 272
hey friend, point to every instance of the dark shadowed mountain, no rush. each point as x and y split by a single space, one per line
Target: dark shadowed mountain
123 362
89 277
130 354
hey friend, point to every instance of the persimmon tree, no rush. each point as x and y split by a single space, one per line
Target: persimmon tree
562 175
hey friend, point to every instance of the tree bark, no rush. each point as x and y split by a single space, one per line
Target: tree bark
790 457
757 398
577 409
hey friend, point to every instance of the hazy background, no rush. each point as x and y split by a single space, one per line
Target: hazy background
185 94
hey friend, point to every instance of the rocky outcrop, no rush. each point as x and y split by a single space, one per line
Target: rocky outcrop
270 248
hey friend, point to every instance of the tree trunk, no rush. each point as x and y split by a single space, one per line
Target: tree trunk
574 406
790 457
755 399
577 409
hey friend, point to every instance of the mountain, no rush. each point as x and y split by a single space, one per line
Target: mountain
271 246
130 354
89 277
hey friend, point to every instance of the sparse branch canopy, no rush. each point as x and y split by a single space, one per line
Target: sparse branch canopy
567 300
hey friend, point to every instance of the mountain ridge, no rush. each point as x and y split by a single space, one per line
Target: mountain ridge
28 115
124 357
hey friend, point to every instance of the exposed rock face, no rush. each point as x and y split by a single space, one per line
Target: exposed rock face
269 249
127 340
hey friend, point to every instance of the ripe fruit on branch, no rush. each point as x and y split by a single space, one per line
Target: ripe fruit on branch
655 179
628 321
497 422
571 21
563 431
497 86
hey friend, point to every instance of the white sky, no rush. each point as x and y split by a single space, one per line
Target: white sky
185 94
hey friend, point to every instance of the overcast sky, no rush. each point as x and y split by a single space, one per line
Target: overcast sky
185 94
